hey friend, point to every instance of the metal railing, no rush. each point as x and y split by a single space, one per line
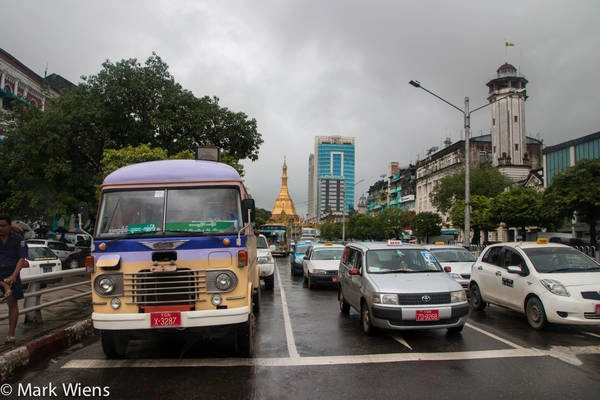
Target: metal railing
33 288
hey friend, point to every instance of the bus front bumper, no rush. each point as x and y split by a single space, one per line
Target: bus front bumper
188 319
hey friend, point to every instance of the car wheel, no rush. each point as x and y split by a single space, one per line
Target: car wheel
365 320
270 282
456 330
476 300
310 284
536 315
292 270
344 306
304 281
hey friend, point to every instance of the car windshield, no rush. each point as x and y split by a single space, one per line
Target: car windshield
169 211
302 248
40 253
401 260
261 243
560 259
453 255
327 254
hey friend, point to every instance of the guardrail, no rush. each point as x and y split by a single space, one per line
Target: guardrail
32 304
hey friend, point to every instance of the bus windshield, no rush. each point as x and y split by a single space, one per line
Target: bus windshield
167 211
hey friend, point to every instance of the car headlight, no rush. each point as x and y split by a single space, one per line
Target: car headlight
385 298
458 296
555 287
265 259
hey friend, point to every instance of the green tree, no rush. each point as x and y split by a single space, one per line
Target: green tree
54 158
481 218
485 181
393 221
577 190
114 159
426 224
518 208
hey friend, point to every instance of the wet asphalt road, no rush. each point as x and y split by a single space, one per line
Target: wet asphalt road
305 348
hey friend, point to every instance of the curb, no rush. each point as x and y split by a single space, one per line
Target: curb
44 347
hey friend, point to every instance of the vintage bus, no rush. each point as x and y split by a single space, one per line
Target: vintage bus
278 237
174 252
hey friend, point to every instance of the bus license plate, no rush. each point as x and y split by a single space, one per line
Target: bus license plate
166 318
428 315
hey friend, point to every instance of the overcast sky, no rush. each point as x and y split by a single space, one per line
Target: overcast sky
309 68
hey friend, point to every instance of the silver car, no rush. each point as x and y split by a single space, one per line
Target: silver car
399 286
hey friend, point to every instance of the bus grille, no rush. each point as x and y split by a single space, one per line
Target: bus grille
161 288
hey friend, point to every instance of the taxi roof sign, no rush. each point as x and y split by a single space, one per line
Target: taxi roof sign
394 242
542 241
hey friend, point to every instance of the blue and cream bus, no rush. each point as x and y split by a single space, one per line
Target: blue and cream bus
174 251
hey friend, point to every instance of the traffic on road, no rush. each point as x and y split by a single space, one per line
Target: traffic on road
305 347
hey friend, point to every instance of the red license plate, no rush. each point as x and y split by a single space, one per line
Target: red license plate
428 315
597 308
166 318
334 279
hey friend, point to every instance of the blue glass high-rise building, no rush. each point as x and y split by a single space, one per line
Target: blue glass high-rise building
331 177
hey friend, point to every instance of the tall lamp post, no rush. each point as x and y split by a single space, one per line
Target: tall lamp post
467 119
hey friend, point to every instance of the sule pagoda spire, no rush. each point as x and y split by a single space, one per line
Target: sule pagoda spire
284 209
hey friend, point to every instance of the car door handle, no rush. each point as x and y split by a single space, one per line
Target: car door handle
498 273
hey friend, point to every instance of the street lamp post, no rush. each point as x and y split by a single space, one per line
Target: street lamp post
467 121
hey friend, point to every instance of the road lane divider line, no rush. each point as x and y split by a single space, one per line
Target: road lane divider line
305 361
493 336
402 341
287 323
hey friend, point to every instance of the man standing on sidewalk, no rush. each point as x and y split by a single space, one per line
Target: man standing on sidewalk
12 259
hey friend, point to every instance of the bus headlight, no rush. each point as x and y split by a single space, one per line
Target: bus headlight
220 281
115 303
223 281
109 285
216 300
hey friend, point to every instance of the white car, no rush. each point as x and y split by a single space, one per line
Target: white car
320 264
548 282
61 249
41 260
266 263
456 260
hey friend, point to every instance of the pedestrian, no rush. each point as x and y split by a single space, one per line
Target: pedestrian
12 259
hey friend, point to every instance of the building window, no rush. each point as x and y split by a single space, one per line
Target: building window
516 146
516 118
493 121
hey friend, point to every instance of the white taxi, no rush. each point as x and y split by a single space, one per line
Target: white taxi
266 263
41 260
548 282
320 264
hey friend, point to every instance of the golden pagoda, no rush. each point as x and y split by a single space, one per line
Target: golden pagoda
284 211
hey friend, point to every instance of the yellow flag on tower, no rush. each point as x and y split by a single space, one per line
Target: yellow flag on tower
509 43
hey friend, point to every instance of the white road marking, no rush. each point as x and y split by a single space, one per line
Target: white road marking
289 333
495 337
402 341
304 361
592 334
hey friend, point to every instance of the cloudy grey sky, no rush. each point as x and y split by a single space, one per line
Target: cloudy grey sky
309 68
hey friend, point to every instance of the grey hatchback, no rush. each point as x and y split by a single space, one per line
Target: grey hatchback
399 286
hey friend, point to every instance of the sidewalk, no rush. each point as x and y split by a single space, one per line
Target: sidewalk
63 325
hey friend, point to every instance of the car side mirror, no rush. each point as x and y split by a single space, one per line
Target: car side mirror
515 269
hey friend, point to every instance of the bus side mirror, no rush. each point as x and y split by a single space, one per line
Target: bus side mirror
248 210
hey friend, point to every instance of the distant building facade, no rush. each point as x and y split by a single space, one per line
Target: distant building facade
331 179
20 84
